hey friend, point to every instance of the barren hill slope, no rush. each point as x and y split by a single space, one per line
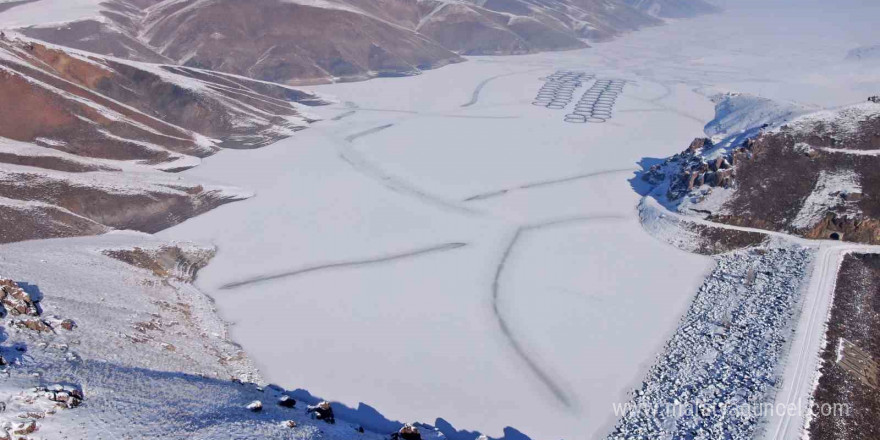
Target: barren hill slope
84 140
304 41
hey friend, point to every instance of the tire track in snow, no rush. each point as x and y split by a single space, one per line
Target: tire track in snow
476 94
344 264
543 376
501 192
439 115
821 292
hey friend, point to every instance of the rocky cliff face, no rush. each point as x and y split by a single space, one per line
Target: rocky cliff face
86 142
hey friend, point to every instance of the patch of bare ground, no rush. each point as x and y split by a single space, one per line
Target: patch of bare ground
166 261
714 241
30 222
855 317
690 236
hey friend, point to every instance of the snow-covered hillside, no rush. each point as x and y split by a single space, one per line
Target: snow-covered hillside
332 40
86 141
118 320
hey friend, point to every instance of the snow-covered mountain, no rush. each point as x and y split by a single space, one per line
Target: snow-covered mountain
308 41
86 142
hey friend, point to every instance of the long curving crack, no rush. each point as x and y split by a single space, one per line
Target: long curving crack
341 264
543 376
501 192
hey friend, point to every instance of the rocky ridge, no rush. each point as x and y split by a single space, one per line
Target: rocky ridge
812 176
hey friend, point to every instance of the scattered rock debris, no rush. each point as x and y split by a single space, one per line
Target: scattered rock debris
255 406
286 401
408 432
322 411
720 365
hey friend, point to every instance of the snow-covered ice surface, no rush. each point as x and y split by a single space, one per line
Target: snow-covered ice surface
485 263
45 12
453 333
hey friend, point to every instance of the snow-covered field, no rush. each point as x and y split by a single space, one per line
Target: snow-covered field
440 247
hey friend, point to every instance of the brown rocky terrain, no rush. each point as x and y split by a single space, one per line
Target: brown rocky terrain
83 139
688 235
288 42
815 177
298 41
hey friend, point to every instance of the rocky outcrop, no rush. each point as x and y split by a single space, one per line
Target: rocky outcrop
15 301
25 311
65 396
815 176
286 402
692 168
178 261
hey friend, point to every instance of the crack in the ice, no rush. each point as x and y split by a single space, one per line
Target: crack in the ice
339 264
348 154
343 115
557 390
360 134
501 192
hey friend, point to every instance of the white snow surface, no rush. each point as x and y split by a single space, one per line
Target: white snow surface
484 262
46 12
737 113
864 53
